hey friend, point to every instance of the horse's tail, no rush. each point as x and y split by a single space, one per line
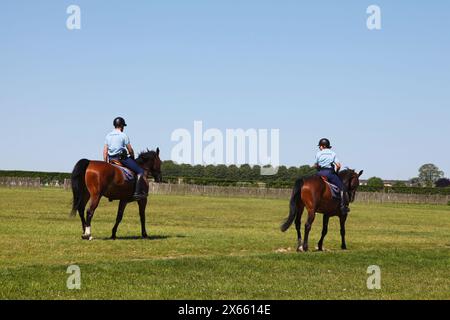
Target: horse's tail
78 184
293 206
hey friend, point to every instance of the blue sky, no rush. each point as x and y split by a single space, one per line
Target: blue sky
309 68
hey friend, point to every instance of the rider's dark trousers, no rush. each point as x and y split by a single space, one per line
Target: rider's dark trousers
332 177
130 164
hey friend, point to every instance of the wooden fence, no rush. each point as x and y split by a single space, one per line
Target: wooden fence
273 193
382 197
245 192
12 182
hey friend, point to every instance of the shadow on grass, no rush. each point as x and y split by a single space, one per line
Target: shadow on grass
156 237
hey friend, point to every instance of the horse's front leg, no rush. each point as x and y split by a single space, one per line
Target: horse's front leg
342 219
120 211
142 205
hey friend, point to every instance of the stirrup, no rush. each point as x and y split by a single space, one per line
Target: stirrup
345 210
139 196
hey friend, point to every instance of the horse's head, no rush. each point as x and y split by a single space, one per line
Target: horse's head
350 178
150 161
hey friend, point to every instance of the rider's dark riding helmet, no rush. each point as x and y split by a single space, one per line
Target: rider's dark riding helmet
325 143
119 122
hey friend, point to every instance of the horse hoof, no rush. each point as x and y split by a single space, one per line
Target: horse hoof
87 237
300 249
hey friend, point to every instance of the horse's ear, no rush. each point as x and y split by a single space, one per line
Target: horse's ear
360 173
157 152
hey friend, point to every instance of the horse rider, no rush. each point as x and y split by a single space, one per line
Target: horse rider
117 147
328 166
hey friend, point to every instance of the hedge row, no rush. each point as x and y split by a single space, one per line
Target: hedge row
288 185
46 177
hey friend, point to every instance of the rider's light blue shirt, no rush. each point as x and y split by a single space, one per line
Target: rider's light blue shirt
326 158
116 142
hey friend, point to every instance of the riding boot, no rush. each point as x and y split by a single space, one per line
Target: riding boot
344 203
139 188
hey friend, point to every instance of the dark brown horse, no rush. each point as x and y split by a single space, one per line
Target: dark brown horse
314 194
96 179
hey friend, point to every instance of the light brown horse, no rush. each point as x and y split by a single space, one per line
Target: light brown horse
92 180
314 194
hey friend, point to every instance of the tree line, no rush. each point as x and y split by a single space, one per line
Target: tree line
222 174
429 176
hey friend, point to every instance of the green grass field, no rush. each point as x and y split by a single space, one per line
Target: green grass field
218 248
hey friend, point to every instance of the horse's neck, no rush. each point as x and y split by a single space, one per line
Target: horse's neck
345 180
146 171
344 177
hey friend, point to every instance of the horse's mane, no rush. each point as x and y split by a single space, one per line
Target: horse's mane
346 174
145 156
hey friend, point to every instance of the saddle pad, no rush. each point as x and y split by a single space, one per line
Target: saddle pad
127 173
335 192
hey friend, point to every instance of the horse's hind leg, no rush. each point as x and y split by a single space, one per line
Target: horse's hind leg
326 219
95 200
81 210
308 226
121 210
298 226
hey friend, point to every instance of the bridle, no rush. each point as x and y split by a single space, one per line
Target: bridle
350 190
150 169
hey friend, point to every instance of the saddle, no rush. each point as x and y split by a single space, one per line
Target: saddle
335 191
127 173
